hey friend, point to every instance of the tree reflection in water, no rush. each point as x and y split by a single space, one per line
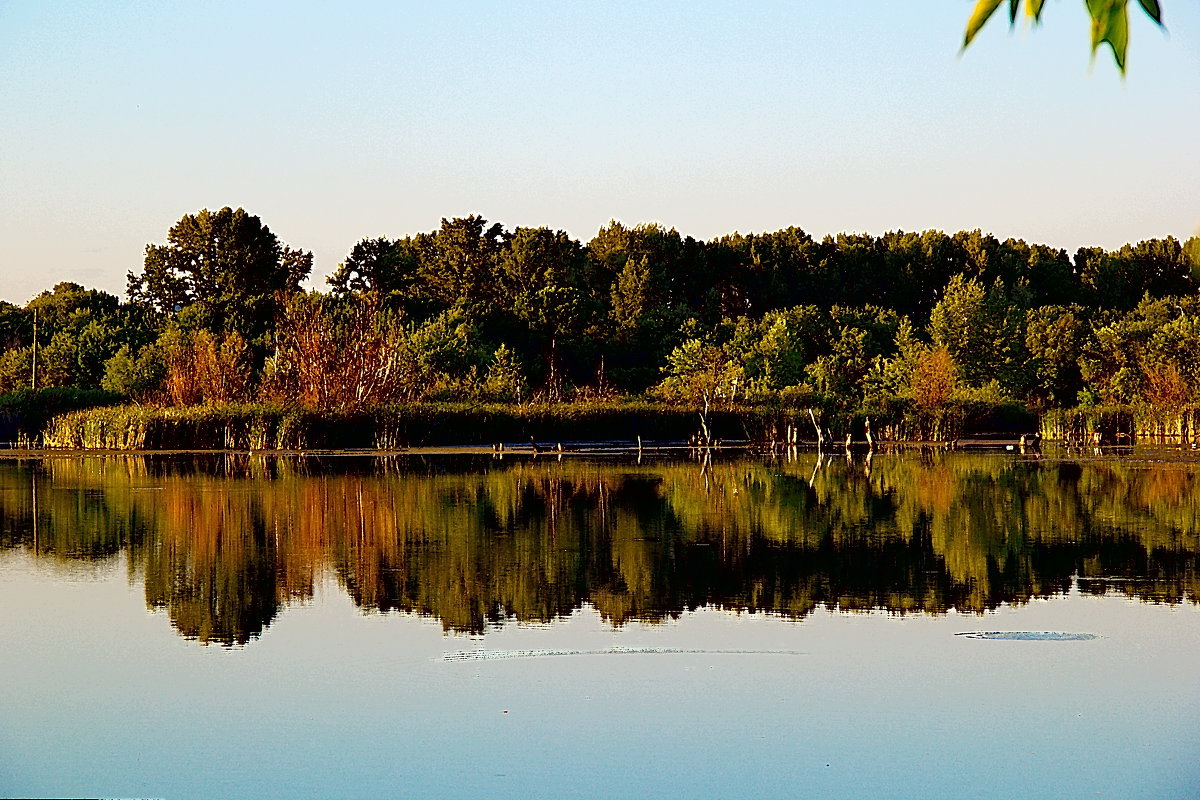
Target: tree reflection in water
224 542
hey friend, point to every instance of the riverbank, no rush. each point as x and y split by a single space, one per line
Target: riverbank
628 421
66 420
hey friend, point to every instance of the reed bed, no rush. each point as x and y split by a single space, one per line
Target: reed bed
273 427
265 427
1124 424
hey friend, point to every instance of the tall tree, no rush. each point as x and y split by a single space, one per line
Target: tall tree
458 261
228 263
387 267
983 332
1055 337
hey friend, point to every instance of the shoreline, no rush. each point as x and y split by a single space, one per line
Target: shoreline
577 449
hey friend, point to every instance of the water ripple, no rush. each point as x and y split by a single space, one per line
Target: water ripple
1030 636
494 655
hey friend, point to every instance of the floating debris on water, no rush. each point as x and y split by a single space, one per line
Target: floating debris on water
1030 636
495 655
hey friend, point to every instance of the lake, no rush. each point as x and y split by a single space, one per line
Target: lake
918 624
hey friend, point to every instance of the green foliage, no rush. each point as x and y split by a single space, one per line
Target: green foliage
1110 21
504 381
472 311
136 376
537 274
775 350
443 352
631 297
458 260
840 373
984 333
78 330
227 265
16 369
700 373
1120 348
379 266
1159 267
1054 338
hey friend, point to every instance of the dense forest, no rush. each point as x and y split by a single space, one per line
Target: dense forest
854 324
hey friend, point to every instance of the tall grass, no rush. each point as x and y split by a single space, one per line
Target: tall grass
25 414
1124 424
267 427
276 427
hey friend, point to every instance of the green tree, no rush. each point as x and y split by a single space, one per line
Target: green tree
444 353
505 380
458 261
16 369
839 374
1124 347
699 372
67 302
537 276
1119 279
78 330
385 267
631 298
94 344
984 332
775 350
544 306
959 323
136 375
1055 337
228 263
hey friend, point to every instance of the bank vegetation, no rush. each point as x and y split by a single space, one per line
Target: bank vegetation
477 333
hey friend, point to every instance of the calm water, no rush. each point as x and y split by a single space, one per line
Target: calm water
448 626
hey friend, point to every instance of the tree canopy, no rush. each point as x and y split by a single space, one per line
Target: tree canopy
225 264
852 323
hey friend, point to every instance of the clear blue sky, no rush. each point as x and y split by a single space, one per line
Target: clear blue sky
337 123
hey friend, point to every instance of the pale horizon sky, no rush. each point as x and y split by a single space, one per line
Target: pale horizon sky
378 119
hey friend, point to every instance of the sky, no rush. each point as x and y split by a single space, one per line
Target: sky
338 122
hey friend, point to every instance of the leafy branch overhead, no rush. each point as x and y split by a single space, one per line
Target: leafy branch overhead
1110 21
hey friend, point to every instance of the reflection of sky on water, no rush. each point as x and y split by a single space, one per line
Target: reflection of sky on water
101 697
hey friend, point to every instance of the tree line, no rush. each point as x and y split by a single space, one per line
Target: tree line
473 310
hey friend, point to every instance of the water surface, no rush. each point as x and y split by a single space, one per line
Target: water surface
916 625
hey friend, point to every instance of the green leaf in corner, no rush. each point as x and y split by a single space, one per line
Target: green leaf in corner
983 11
1013 5
1152 8
1110 24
